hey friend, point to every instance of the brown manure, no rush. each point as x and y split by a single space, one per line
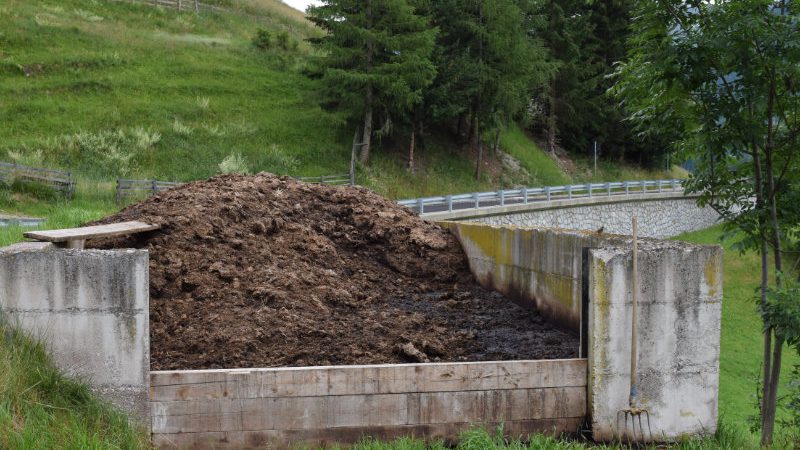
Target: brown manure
260 271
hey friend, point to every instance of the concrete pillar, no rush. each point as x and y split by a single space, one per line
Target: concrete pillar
678 340
90 309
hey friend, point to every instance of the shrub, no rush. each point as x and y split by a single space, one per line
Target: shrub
234 163
276 160
262 39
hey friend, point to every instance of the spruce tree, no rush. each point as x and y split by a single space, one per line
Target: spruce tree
376 60
487 64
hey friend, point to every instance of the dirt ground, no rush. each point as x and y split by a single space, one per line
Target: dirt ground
259 271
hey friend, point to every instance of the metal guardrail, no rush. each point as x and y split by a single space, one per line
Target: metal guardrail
475 200
57 180
129 188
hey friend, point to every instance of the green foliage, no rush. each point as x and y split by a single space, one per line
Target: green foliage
234 163
478 58
725 76
40 408
376 56
285 42
263 39
781 312
791 404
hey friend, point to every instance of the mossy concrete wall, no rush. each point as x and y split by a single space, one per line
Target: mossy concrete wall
679 315
679 312
90 309
536 267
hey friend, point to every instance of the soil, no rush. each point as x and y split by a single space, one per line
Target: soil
260 271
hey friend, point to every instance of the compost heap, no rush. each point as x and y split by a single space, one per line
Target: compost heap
258 271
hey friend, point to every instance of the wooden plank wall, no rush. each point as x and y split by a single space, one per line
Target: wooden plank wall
320 406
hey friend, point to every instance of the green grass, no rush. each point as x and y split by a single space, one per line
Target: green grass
727 438
42 409
543 169
741 342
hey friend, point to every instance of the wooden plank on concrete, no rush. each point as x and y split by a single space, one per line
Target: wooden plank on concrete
366 410
168 386
97 231
316 438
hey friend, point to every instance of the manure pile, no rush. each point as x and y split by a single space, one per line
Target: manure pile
260 271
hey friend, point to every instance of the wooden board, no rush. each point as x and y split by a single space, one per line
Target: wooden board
328 438
282 407
181 385
97 231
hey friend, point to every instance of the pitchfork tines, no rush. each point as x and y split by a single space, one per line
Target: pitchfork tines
634 413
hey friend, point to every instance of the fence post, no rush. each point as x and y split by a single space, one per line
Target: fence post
321 179
625 184
420 205
502 194
449 202
608 189
644 186
154 186
525 195
547 192
477 200
196 6
569 191
659 185
589 188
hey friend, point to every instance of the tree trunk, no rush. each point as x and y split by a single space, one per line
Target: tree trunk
411 148
477 142
551 119
767 350
771 388
366 136
353 153
496 141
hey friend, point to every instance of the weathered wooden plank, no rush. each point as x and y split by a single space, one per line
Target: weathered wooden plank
97 231
378 379
366 410
315 438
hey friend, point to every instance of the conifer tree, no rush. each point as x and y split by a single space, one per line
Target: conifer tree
376 60
487 64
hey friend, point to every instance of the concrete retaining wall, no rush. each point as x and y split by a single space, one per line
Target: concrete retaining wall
313 406
679 315
90 308
660 215
678 344
539 268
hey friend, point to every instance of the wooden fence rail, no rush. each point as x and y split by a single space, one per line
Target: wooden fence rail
338 179
58 180
129 188
180 5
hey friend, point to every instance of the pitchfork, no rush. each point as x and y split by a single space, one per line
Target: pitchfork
633 411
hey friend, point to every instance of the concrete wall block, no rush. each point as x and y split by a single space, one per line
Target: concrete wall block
91 309
679 312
